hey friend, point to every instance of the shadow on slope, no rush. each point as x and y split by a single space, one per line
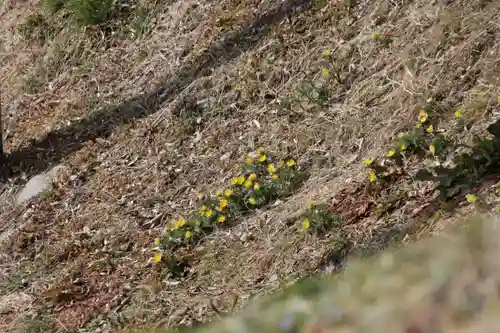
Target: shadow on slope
42 155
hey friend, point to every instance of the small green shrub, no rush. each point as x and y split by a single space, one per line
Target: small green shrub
261 179
89 12
478 159
319 219
92 12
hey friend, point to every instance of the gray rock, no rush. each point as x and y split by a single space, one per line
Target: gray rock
37 184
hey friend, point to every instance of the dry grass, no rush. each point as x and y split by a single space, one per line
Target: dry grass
145 123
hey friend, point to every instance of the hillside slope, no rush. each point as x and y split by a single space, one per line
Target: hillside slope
388 111
445 284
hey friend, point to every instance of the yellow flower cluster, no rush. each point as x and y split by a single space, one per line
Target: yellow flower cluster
179 224
432 149
205 211
248 189
157 257
223 204
423 116
471 198
372 177
238 180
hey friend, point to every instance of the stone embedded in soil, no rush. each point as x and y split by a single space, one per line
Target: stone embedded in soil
37 184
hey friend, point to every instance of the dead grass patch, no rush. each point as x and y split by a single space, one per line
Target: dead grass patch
210 82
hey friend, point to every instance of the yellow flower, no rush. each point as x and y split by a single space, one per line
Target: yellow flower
275 177
157 257
325 72
271 168
326 53
252 201
430 129
180 223
228 192
248 183
256 186
221 219
241 180
260 150
203 209
306 224
223 203
290 163
209 213
458 114
188 234
498 99
157 242
432 149
403 147
372 177
423 116
374 36
419 125
252 177
234 181
368 162
471 198
391 153
262 158
249 160
218 193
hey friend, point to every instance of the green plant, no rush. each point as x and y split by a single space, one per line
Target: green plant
92 12
407 143
332 69
262 178
307 89
479 159
320 219
141 22
384 39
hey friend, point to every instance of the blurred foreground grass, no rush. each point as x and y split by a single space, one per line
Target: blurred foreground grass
449 283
